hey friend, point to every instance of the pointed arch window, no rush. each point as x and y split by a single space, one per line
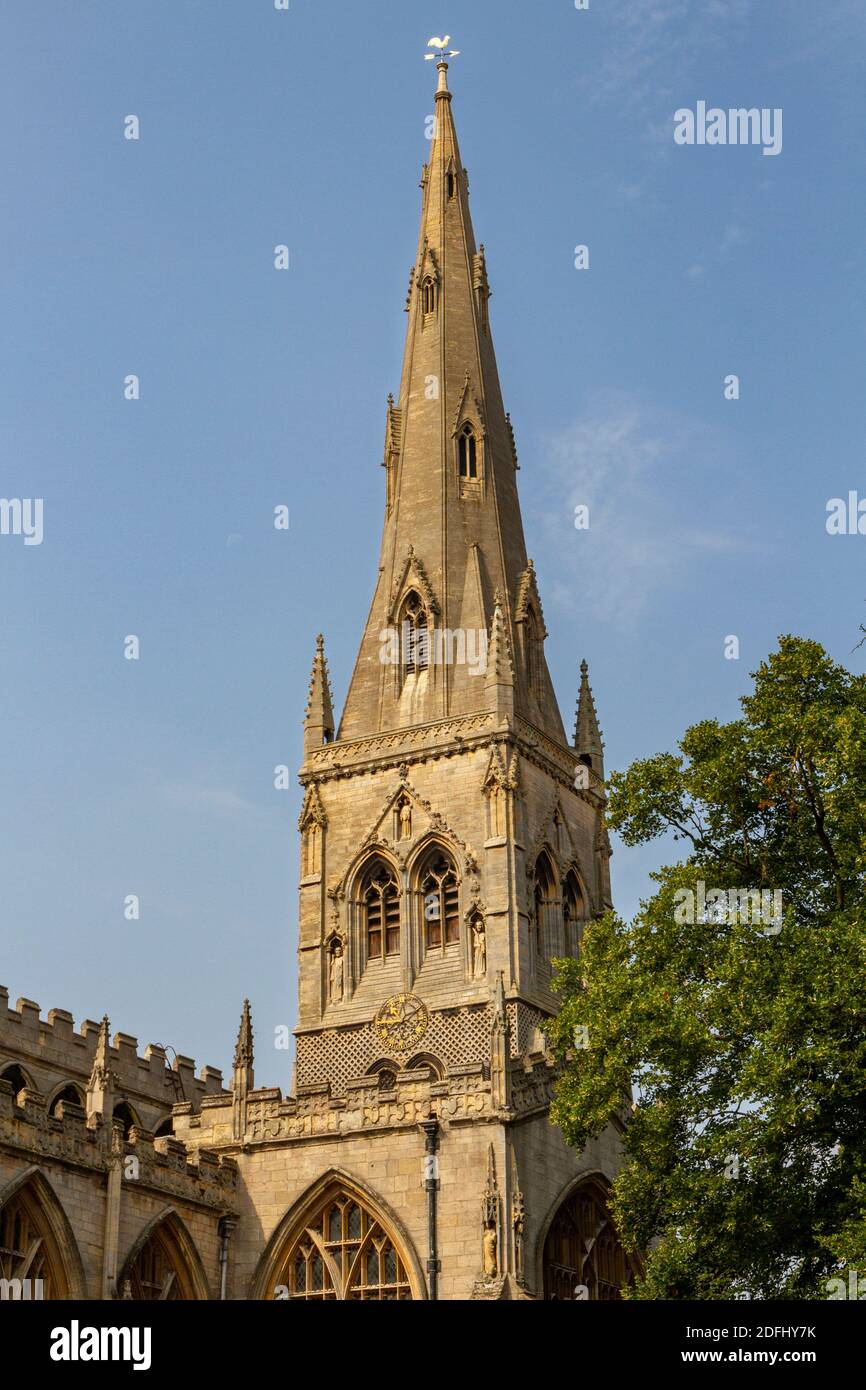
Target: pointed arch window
159 1270
544 898
440 900
153 1277
123 1115
583 1257
70 1095
573 913
343 1254
414 635
28 1249
16 1078
428 295
380 900
467 452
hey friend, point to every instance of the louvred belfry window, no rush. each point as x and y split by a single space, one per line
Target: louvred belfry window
414 635
440 901
381 902
544 892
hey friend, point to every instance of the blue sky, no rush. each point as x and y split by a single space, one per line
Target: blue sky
155 257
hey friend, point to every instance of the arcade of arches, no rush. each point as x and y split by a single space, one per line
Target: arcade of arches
158 1267
340 1251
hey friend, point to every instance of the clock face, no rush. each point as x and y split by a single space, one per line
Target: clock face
401 1021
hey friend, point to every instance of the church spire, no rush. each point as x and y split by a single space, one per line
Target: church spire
451 491
587 735
319 715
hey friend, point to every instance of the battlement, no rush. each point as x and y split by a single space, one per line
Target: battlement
163 1164
50 1051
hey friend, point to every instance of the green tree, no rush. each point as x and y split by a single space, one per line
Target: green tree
742 1031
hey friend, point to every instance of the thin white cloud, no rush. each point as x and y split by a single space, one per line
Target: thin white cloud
656 43
734 235
624 466
222 802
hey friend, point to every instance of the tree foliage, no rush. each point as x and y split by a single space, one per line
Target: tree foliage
743 1036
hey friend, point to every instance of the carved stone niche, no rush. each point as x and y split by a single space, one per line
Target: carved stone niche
335 960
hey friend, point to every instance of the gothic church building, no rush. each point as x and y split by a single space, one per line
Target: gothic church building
452 845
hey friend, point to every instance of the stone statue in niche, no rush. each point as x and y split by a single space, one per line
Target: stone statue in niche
405 821
491 1258
490 1220
335 974
479 949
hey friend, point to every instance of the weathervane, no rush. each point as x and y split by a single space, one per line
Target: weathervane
442 45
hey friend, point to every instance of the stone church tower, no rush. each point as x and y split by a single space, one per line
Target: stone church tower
452 845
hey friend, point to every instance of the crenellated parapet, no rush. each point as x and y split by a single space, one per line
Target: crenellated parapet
51 1052
163 1165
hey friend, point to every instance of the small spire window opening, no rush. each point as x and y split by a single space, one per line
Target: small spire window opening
428 296
467 452
451 184
440 903
414 636
381 903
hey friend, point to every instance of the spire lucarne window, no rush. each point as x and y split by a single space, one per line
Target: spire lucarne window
414 635
467 452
